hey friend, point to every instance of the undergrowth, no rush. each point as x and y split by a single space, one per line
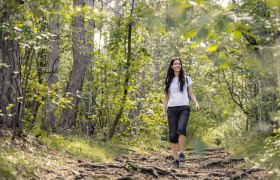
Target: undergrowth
86 147
25 159
15 163
259 151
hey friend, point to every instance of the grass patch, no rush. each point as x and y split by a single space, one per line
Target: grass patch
15 163
24 159
86 148
6 171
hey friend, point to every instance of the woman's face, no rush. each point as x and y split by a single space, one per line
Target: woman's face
176 66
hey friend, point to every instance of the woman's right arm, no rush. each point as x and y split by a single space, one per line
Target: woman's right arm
165 102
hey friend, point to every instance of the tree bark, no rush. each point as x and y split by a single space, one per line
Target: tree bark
10 83
10 71
48 123
74 86
88 125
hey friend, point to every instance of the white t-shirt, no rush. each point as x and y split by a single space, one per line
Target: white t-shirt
178 98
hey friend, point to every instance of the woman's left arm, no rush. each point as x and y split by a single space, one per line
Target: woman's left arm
193 98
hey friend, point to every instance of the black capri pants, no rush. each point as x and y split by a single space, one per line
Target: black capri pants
178 117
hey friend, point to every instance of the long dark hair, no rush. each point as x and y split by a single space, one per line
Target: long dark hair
170 75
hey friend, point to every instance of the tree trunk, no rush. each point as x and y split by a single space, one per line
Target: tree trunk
127 76
10 71
48 123
88 125
10 83
76 80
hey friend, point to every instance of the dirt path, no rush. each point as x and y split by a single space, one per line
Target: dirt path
210 164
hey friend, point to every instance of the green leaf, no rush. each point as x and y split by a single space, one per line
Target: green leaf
237 34
222 60
202 34
212 48
200 2
230 7
9 106
221 25
190 34
229 30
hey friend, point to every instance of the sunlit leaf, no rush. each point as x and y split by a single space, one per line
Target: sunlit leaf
9 106
230 7
190 34
200 2
212 48
237 34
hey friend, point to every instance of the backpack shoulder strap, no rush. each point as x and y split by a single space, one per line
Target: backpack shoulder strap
187 81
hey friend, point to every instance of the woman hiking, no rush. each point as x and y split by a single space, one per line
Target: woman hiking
178 91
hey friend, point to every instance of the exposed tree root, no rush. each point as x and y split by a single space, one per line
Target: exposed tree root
245 173
221 162
211 164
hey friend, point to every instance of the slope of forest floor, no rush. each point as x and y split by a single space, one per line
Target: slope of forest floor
31 159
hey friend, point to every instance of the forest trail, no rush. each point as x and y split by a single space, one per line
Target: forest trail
209 164
215 163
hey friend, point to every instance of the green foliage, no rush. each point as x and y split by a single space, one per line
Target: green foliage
258 150
271 155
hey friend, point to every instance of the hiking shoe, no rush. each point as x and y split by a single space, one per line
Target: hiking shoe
181 157
175 164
